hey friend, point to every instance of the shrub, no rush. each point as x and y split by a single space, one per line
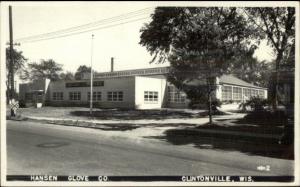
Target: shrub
22 104
255 103
215 103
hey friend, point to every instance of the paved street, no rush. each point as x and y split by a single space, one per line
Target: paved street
36 148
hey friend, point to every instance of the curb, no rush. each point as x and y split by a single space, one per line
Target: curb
84 124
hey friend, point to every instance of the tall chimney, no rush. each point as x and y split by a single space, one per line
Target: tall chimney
112 64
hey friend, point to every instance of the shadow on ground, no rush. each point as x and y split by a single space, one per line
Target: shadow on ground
245 127
116 127
250 146
138 114
264 118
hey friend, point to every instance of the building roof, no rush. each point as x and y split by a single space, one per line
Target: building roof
230 79
135 72
224 79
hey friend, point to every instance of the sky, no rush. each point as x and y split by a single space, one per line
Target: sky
120 42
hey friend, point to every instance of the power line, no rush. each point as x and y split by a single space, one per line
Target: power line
76 33
93 24
89 25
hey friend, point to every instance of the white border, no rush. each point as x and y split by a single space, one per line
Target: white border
4 28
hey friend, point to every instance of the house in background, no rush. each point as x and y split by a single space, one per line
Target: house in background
34 92
136 89
233 89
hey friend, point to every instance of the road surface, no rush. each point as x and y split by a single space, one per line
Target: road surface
37 148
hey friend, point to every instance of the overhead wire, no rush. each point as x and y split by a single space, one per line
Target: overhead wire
76 33
93 24
87 26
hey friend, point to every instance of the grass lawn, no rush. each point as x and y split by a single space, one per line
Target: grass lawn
137 114
110 114
53 112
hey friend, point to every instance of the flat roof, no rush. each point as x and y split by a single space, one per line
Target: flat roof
134 72
224 79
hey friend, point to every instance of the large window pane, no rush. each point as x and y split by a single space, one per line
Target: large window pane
227 93
150 96
115 96
175 95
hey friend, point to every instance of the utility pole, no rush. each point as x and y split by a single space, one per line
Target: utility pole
11 64
91 93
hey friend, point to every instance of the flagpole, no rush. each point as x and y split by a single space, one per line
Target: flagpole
91 93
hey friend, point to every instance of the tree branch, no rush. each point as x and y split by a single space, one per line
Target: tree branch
273 16
269 33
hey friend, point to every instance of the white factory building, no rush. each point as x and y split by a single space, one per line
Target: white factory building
135 89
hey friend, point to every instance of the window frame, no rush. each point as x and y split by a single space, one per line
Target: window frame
115 96
150 96
176 96
227 93
97 96
75 96
237 93
57 96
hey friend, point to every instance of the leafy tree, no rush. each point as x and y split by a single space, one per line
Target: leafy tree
81 70
45 69
289 58
253 71
18 66
277 25
67 76
19 60
200 43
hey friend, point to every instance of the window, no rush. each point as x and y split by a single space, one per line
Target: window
150 96
97 96
109 96
115 96
253 93
246 92
227 93
74 96
58 96
261 93
98 83
175 95
237 94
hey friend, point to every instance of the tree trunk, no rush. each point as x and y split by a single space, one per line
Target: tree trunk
276 94
209 100
209 110
8 90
